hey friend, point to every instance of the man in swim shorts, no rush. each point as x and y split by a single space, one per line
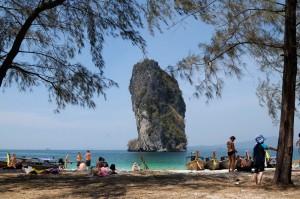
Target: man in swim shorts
231 154
88 158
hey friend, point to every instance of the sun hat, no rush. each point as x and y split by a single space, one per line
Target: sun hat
260 138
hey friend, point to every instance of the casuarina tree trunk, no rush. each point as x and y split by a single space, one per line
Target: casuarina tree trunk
286 131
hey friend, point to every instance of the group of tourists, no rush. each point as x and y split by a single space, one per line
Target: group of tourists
102 168
81 164
259 155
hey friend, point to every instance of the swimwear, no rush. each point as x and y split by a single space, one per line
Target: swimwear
259 167
231 153
88 163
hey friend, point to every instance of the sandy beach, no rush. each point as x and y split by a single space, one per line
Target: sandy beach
146 184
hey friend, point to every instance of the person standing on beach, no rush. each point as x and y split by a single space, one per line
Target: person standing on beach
231 154
78 159
88 158
66 161
259 156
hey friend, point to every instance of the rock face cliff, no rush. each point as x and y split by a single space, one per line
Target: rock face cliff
159 109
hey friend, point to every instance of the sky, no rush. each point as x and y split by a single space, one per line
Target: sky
28 121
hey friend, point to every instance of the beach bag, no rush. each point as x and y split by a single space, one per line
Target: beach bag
268 156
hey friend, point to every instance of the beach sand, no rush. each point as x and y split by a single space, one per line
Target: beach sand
146 184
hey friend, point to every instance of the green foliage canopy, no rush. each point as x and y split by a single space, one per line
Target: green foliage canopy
39 41
268 31
242 28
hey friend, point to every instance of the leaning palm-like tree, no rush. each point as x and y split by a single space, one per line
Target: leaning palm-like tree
145 165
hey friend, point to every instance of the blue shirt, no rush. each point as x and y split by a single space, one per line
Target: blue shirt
259 153
264 146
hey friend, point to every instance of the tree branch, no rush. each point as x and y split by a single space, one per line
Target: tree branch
20 36
31 73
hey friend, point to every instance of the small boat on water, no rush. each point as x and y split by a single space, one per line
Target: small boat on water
5 165
243 163
212 163
37 163
195 163
193 157
42 163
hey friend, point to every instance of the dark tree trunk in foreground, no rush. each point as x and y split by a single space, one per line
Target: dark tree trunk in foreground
286 131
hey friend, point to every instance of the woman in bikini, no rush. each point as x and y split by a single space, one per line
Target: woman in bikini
231 153
78 159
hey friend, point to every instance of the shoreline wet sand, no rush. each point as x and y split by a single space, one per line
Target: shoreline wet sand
146 184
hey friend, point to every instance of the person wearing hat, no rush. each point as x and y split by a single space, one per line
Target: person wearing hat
259 156
231 154
135 167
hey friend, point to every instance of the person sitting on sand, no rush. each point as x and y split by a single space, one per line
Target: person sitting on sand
104 170
82 167
259 156
135 167
100 162
241 163
113 169
13 161
231 154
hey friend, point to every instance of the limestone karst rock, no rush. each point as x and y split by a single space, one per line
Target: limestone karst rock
159 109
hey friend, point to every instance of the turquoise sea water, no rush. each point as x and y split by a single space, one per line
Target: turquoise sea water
124 159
